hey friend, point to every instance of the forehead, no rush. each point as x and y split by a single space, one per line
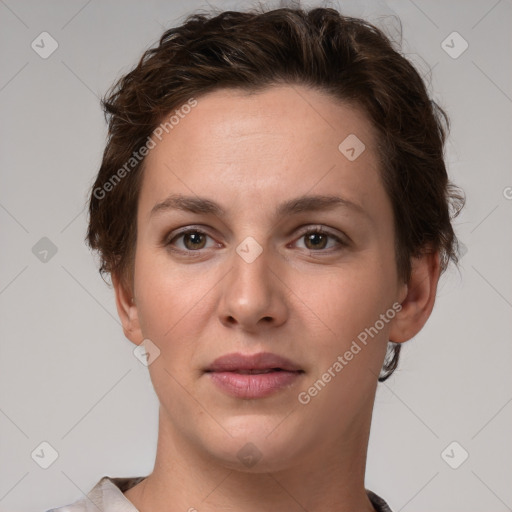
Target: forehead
284 141
286 113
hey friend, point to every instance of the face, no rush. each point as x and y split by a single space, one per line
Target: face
257 234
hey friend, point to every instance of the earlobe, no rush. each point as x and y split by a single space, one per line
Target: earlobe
127 310
419 300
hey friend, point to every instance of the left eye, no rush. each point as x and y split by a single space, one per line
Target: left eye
317 239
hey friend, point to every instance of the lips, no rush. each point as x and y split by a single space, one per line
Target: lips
253 376
263 362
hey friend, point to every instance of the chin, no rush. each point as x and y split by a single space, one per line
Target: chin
255 444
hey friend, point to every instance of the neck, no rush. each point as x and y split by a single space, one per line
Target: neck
185 479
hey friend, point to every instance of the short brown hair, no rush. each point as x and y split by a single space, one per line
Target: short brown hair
348 58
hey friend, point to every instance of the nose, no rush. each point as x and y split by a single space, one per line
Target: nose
253 294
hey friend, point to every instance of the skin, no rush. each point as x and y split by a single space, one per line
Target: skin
305 301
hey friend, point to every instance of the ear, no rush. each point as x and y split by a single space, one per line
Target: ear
419 297
127 310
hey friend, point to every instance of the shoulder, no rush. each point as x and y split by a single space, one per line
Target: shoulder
106 496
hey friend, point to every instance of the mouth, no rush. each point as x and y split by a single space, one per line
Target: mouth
253 376
262 362
258 372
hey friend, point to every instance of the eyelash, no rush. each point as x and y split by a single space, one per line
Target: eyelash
312 230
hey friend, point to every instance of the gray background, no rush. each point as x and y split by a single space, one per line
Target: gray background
69 377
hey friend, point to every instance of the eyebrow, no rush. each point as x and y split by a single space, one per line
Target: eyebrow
306 203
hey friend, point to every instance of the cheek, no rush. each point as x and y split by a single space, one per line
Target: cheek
159 295
171 301
348 298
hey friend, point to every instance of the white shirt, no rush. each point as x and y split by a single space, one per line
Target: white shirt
107 496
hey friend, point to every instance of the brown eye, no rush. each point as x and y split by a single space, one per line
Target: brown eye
194 240
191 240
315 241
318 239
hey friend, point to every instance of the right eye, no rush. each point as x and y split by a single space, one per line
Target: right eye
192 240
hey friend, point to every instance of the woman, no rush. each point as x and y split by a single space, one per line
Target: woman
274 211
